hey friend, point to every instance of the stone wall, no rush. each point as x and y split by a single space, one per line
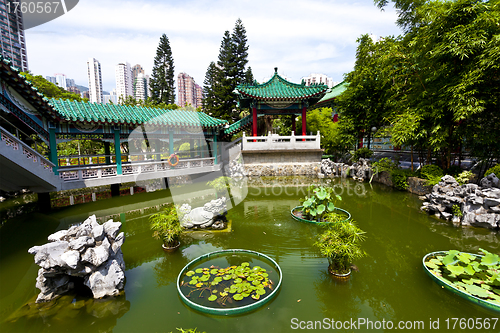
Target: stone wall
479 205
255 170
282 156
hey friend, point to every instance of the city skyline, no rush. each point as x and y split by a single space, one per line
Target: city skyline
297 37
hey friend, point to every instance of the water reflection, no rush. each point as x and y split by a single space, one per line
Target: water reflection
59 314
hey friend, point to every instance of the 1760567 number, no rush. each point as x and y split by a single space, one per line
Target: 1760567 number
39 7
471 323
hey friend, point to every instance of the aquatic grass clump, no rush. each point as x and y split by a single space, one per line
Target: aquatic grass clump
225 285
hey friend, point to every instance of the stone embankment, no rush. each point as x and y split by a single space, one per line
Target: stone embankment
89 253
475 205
360 170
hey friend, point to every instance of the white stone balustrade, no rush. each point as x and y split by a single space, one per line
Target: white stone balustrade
276 142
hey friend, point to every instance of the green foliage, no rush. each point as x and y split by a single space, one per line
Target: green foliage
48 89
400 179
227 284
464 177
162 77
495 170
189 330
340 243
361 153
320 204
479 277
432 173
166 225
431 88
384 164
456 210
147 103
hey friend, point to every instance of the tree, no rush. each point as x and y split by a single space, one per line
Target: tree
223 77
162 77
249 79
48 89
365 101
209 84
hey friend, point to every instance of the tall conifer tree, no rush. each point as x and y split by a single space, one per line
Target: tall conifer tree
162 78
227 74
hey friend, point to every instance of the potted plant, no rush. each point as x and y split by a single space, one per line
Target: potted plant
166 226
340 243
320 207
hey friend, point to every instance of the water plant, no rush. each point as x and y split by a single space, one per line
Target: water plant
456 210
475 275
340 244
225 285
166 225
321 204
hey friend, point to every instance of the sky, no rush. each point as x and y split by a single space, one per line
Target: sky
299 37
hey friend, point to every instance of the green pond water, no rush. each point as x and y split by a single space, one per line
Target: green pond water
390 285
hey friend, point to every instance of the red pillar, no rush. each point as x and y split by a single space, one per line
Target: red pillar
254 125
304 122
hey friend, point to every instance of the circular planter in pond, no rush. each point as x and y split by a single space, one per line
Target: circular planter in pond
171 249
229 282
297 214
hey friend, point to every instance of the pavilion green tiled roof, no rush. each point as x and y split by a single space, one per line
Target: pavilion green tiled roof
131 115
334 92
277 88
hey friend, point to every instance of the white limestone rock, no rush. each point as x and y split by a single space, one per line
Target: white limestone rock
107 280
112 228
58 236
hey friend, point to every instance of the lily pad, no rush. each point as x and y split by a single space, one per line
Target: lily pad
490 259
212 298
190 273
455 270
477 291
237 297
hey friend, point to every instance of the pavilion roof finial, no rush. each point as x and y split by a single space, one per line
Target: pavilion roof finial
276 69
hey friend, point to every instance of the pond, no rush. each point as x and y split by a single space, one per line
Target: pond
390 284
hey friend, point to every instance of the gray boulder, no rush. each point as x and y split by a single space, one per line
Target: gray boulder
91 251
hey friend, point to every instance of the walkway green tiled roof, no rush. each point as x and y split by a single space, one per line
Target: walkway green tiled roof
334 92
277 88
11 75
238 126
131 115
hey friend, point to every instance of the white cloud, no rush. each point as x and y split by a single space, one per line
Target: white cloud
298 36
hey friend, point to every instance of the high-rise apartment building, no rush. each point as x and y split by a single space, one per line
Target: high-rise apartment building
61 80
123 75
319 79
136 70
51 79
141 87
13 43
188 92
95 81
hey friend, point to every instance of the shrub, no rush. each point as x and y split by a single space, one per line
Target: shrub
399 179
340 243
432 173
384 164
454 170
464 177
361 153
456 210
495 170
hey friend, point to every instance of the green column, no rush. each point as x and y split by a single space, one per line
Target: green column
107 152
118 152
215 148
53 150
171 142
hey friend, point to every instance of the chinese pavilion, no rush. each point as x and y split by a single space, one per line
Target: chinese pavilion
279 97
